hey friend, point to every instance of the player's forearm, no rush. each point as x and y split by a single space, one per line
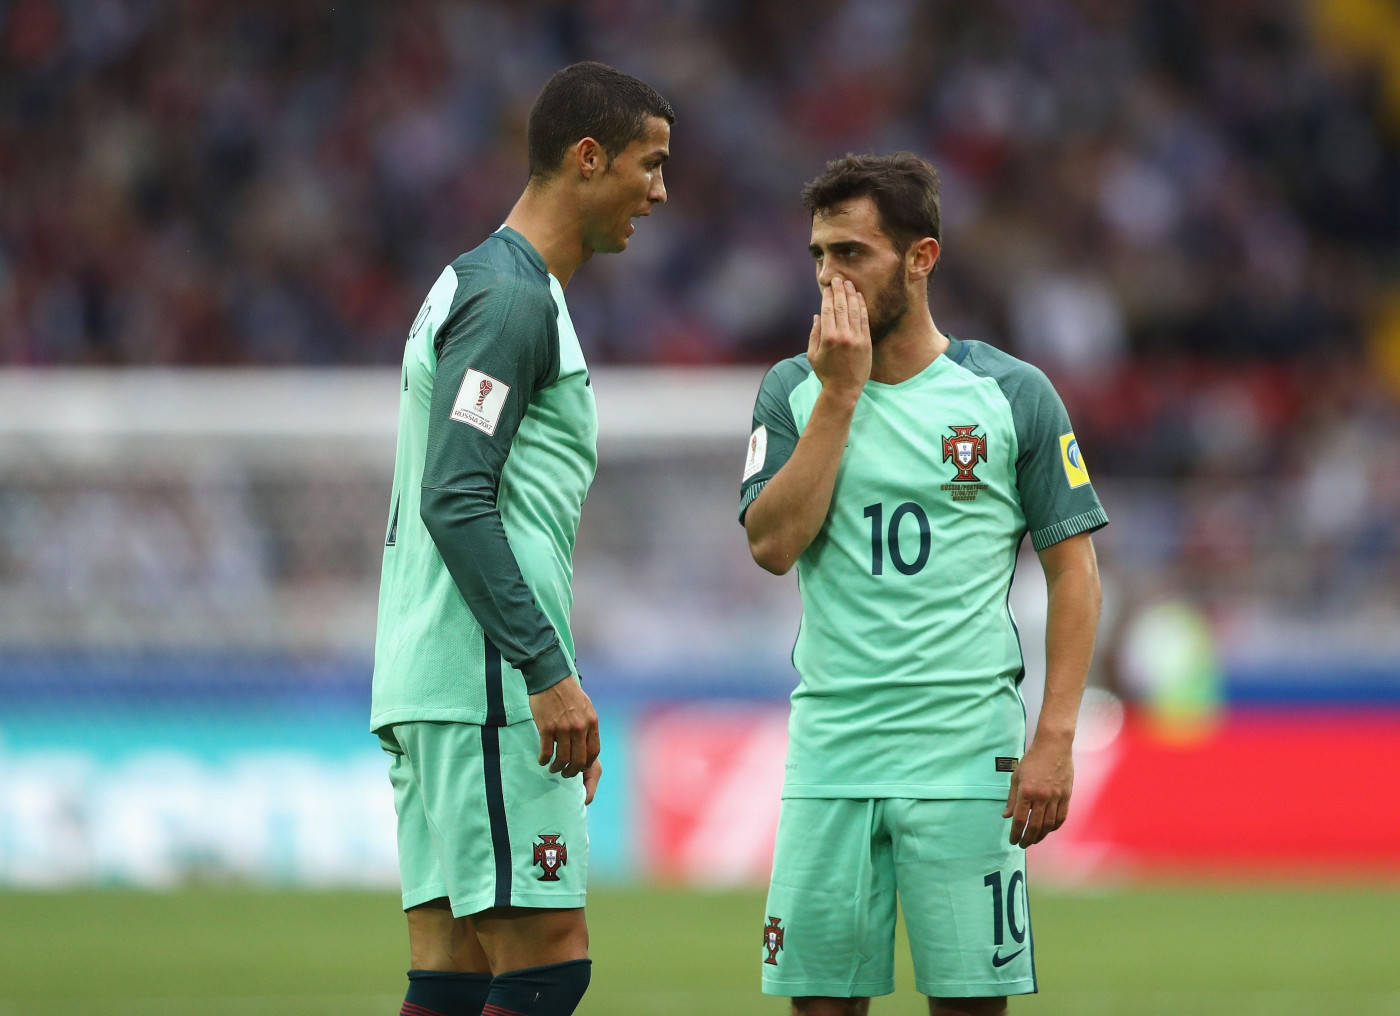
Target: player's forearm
1071 623
787 516
467 530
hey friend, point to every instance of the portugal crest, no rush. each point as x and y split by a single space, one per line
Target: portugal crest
965 451
773 939
551 855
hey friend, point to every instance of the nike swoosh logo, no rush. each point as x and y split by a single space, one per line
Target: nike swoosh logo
998 960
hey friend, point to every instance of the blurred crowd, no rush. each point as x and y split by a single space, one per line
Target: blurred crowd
1187 212
211 182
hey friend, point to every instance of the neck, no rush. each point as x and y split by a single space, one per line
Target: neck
913 344
549 218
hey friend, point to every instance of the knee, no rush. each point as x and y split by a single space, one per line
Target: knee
518 938
444 955
566 934
440 942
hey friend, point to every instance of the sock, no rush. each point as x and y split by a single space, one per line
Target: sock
554 990
445 993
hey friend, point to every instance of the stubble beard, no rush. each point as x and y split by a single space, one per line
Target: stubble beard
889 307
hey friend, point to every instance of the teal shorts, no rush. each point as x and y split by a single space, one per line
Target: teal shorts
481 821
839 865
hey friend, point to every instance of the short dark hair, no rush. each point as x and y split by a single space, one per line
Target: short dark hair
903 186
589 100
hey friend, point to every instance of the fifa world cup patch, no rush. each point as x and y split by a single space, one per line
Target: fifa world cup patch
773 939
480 401
758 452
551 855
1075 471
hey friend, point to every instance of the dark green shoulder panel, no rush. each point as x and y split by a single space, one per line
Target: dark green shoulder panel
1025 387
775 431
1056 496
785 375
504 309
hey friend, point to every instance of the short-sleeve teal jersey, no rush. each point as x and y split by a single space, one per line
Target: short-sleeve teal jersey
497 446
908 656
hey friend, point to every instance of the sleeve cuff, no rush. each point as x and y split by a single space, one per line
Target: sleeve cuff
748 497
546 670
1086 522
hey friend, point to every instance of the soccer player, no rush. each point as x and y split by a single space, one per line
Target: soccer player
899 468
476 694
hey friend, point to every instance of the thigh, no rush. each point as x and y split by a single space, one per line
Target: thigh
829 924
962 887
420 878
544 827
505 831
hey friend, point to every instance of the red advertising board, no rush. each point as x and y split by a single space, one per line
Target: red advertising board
1255 793
1259 792
708 806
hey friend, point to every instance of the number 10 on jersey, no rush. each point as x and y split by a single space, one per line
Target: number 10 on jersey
880 538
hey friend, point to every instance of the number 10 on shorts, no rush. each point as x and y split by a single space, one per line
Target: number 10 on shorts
1009 908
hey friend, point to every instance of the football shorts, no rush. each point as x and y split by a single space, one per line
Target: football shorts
840 863
481 822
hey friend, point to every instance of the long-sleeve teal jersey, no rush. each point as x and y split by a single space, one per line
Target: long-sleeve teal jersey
909 658
497 446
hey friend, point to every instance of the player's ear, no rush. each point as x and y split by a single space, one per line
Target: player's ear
921 258
589 158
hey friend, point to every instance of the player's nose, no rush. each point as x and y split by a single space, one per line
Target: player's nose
657 194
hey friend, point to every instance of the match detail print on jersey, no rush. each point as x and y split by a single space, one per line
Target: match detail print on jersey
480 401
1073 461
758 452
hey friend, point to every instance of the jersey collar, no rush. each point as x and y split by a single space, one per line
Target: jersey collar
957 350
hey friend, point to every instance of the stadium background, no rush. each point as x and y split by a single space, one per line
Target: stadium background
217 219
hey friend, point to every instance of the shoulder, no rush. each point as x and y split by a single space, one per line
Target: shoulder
786 375
498 275
1016 378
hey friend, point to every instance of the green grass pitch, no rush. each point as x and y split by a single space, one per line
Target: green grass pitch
229 952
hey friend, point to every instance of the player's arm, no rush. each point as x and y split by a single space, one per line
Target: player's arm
786 516
1061 510
1044 781
505 339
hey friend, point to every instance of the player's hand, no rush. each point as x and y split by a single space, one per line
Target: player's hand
568 727
1040 790
591 776
839 346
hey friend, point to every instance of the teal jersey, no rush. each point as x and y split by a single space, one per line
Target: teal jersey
908 655
497 446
